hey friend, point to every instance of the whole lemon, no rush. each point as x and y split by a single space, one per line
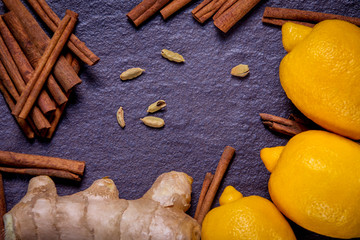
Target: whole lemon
315 182
240 217
321 74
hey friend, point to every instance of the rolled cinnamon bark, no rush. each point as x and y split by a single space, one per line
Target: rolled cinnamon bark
21 160
145 10
32 54
52 21
305 16
41 171
173 7
63 72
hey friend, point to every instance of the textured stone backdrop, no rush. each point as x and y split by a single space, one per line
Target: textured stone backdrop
207 108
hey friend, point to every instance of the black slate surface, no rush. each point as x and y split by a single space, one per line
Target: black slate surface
207 108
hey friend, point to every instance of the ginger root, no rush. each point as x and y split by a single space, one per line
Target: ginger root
98 213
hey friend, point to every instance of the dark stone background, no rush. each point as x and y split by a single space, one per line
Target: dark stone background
207 108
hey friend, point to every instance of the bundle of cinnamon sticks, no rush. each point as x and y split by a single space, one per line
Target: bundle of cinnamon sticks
36 78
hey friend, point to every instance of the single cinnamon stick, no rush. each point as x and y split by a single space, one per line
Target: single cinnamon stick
2 208
52 21
283 125
206 184
280 22
21 66
22 160
305 16
32 54
62 71
27 130
25 67
41 171
46 63
234 13
39 120
206 9
215 183
145 10
173 7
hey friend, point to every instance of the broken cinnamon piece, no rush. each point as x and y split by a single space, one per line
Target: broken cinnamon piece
32 54
173 7
283 125
25 127
233 14
42 171
62 71
46 63
26 70
52 21
2 207
206 184
39 120
280 22
206 9
22 160
215 183
305 16
145 10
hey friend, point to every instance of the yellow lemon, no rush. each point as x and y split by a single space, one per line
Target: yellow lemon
241 217
316 183
321 74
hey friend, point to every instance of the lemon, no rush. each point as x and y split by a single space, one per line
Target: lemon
321 74
316 183
241 217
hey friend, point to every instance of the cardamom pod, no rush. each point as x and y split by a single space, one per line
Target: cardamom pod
154 122
240 70
120 117
131 73
172 56
156 106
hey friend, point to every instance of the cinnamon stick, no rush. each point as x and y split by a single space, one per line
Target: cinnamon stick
63 72
46 63
206 184
21 160
280 22
39 120
18 67
145 10
230 16
215 183
25 127
206 9
173 7
305 16
32 54
41 171
283 125
2 208
52 21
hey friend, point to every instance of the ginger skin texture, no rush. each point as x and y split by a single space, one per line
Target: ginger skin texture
98 213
